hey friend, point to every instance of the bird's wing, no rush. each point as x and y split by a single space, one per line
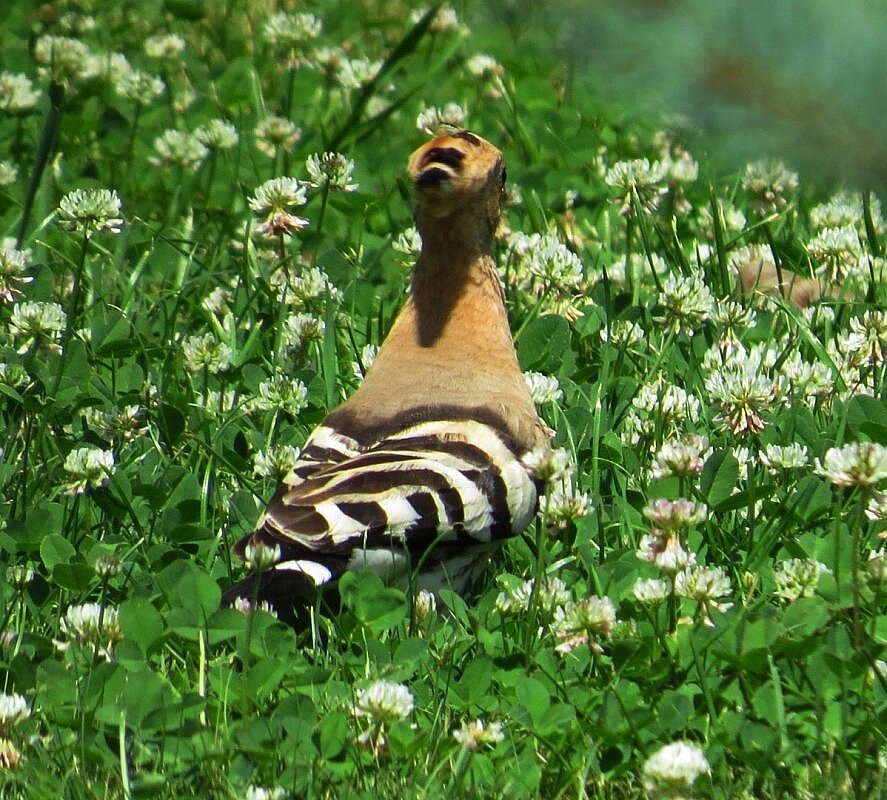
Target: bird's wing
385 507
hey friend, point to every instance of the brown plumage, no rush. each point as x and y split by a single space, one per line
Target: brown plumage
421 471
760 276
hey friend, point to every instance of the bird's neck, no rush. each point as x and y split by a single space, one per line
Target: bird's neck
455 294
451 344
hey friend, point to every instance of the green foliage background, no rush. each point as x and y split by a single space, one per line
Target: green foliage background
787 699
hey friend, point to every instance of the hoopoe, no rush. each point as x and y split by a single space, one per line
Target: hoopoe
420 472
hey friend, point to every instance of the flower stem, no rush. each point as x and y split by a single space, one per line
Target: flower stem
73 311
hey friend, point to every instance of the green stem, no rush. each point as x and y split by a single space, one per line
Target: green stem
854 571
323 201
541 563
73 311
124 767
50 129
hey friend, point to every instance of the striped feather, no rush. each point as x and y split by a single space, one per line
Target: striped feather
386 506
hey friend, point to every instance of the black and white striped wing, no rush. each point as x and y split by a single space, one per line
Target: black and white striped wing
434 490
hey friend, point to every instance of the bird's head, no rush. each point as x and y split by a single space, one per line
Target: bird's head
458 172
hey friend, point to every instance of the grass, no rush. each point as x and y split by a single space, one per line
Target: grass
777 675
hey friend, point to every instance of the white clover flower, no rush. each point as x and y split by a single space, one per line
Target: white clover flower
484 66
13 375
218 134
472 735
263 793
637 178
623 334
278 194
13 263
275 134
732 218
435 120
424 606
93 624
807 380
866 342
117 423
17 94
683 169
276 462
90 211
855 464
837 251
77 24
818 315
286 30
845 210
261 556
64 59
355 73
409 243
444 21
19 576
88 467
274 199
178 148
164 46
778 457
383 702
362 365
310 284
544 263
9 755
876 510
743 458
674 767
553 593
562 505
218 403
299 330
217 302
848 373
675 515
661 406
37 324
549 465
245 606
651 591
682 457
332 170
140 87
543 388
876 568
798 577
768 184
705 585
13 709
733 318
742 394
111 67
205 352
586 622
8 173
283 393
107 566
667 553
687 301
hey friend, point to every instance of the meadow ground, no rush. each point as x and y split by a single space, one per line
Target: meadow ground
699 609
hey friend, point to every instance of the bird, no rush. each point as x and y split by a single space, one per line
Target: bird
423 472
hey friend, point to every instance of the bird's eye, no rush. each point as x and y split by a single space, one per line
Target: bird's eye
503 176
